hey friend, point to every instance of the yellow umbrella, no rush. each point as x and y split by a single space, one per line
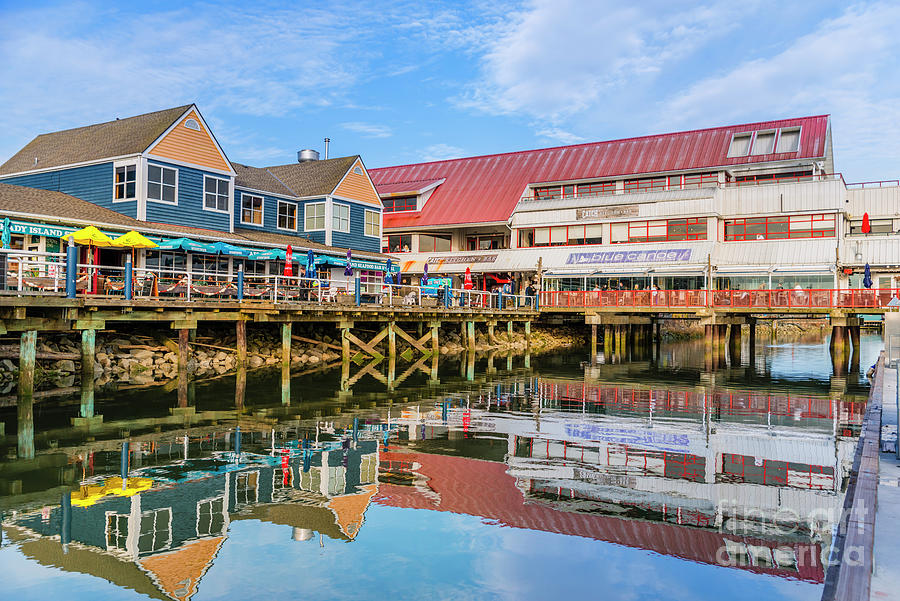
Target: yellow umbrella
89 235
134 240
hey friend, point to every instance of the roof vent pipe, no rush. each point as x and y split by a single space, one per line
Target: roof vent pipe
307 155
327 142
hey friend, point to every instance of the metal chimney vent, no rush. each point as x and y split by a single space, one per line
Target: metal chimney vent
307 155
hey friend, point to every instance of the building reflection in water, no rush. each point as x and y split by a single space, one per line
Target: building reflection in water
749 480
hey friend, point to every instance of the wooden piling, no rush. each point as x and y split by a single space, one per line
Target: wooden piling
25 400
286 363
435 343
734 343
241 329
470 338
392 340
88 346
593 343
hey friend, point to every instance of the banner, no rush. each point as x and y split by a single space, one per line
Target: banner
670 255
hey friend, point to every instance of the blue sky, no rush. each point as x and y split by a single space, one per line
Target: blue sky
409 81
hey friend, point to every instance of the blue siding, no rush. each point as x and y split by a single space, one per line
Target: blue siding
93 183
356 238
270 213
189 210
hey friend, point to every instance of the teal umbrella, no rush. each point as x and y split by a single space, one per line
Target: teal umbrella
6 237
230 250
273 254
188 245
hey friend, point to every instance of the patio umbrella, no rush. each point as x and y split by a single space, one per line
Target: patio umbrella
6 237
866 226
348 271
867 277
186 244
134 240
289 261
230 250
468 285
272 254
90 236
425 276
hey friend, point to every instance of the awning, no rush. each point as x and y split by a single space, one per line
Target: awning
188 245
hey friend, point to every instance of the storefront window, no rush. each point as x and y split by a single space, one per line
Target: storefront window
434 242
561 235
664 230
165 262
399 243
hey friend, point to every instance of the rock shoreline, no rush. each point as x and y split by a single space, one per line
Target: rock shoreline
143 357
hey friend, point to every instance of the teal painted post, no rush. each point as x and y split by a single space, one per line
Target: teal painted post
129 272
240 283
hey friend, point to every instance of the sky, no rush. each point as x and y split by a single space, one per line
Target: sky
407 81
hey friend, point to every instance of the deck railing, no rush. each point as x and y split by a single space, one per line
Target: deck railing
826 298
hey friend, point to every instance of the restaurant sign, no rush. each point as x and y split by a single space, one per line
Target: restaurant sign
37 229
668 255
607 212
462 259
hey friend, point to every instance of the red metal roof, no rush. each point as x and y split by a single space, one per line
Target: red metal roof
484 488
486 189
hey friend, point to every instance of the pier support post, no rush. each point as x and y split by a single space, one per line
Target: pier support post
470 365
88 346
734 343
709 345
240 387
751 340
491 338
509 329
470 338
183 353
608 342
392 341
435 343
462 334
241 343
528 334
345 343
286 363
25 400
593 343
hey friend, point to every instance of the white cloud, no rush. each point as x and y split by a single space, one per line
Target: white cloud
441 152
559 135
369 130
845 67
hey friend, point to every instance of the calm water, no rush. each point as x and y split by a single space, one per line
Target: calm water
637 479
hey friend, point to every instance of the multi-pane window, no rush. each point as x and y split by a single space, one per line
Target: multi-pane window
251 209
486 242
434 242
646 184
210 265
215 194
561 235
314 216
780 227
287 216
373 224
769 472
166 263
156 530
116 531
161 183
211 517
126 179
698 180
246 488
663 230
876 226
774 178
398 243
575 190
400 203
340 218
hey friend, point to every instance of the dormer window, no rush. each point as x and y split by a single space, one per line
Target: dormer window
740 145
400 203
764 143
788 140
192 124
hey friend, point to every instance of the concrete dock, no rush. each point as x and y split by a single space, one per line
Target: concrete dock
886 571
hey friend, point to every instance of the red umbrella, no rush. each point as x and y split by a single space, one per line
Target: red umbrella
866 226
289 261
468 282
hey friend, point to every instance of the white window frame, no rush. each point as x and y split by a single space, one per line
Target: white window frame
160 201
215 209
307 217
731 142
791 128
224 514
155 513
764 132
137 180
366 224
262 210
335 219
106 530
278 216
